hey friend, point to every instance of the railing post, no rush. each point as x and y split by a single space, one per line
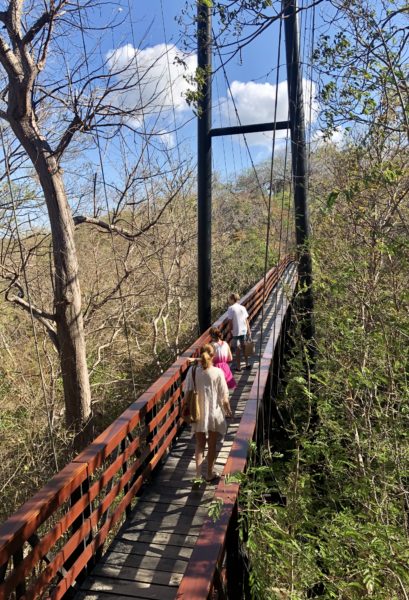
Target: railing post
81 490
124 444
3 571
204 166
299 168
149 416
17 559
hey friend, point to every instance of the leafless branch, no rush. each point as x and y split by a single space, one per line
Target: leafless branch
130 235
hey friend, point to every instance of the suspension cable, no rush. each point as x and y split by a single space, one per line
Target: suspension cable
270 195
239 121
310 98
119 284
267 202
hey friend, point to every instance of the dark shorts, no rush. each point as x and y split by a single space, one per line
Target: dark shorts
237 341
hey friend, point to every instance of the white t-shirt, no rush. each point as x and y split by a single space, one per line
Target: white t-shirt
238 315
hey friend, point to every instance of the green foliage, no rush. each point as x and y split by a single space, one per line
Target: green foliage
195 93
326 513
366 67
215 508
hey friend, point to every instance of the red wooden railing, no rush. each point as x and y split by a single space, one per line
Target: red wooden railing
55 537
214 563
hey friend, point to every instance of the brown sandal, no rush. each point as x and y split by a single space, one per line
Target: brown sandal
213 477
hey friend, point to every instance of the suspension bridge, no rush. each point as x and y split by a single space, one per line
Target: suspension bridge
125 518
65 541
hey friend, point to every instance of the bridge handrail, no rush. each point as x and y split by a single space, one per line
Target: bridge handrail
204 570
61 529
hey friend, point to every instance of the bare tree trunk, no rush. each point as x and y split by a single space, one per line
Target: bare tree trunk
67 297
26 36
22 66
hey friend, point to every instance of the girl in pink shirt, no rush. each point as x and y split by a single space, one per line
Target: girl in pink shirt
222 356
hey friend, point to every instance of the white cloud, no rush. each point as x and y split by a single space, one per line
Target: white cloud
255 103
166 138
337 137
151 82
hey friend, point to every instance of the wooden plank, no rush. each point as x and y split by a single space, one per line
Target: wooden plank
176 518
185 451
183 484
173 539
136 561
181 441
172 487
144 508
96 596
169 482
130 589
179 474
173 462
187 454
184 525
152 549
190 498
186 464
153 576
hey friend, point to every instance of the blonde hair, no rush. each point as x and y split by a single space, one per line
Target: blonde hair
206 356
234 297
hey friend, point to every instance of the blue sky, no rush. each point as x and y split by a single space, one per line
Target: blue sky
147 33
251 75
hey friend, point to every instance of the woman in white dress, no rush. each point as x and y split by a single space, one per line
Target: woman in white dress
214 408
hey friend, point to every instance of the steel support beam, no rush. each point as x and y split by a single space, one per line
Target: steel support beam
299 165
254 128
204 166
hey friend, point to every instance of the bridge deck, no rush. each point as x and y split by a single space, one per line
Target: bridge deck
150 553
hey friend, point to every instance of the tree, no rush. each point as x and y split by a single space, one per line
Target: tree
364 68
343 529
46 109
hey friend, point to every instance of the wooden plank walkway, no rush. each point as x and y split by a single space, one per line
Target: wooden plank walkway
150 553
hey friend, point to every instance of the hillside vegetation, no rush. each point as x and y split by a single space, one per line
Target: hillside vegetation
341 526
133 332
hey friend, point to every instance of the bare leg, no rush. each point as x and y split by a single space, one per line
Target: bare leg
238 357
211 455
200 446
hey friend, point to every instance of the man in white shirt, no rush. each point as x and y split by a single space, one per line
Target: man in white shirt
239 325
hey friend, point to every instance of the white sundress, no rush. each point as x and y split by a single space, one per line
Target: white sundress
212 390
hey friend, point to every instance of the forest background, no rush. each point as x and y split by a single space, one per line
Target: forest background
342 531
